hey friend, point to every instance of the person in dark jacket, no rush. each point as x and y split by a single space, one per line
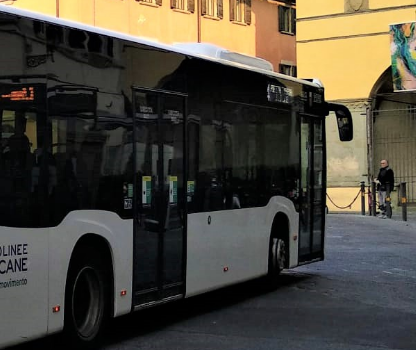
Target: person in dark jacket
384 180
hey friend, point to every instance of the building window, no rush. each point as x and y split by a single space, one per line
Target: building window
288 69
287 20
212 8
184 5
155 2
240 11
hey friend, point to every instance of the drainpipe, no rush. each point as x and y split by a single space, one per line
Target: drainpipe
57 8
198 16
370 139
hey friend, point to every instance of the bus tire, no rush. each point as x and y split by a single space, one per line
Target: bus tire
277 261
86 300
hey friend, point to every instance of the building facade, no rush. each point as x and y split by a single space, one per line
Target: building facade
261 28
348 45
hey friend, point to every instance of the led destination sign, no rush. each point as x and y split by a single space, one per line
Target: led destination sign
23 94
276 93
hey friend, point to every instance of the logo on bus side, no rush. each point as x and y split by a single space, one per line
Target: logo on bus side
13 259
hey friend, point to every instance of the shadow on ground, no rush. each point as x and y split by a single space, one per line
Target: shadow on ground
154 319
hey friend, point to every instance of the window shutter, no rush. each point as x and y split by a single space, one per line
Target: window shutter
220 9
281 18
203 7
293 19
191 5
247 14
159 2
232 10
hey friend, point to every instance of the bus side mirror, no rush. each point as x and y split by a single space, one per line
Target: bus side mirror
344 121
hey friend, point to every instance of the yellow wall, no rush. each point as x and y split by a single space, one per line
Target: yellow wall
115 15
375 4
365 23
76 10
348 52
305 8
47 7
348 68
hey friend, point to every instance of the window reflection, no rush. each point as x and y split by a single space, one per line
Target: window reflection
93 155
243 158
76 159
20 167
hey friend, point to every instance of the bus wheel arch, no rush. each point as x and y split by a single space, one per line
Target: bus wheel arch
278 257
88 292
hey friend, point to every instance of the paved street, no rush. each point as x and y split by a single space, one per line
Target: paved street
362 297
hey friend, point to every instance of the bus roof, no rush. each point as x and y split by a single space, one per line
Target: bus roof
198 50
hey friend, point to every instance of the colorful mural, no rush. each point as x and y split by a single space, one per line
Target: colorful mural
403 56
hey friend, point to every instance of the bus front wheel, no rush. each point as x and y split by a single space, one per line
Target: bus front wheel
87 300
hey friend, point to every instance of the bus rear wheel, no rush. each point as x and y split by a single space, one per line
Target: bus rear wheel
87 300
277 260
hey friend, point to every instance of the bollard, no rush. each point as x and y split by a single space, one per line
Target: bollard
369 200
403 200
362 198
374 202
388 201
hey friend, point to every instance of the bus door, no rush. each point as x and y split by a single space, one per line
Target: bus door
313 190
159 197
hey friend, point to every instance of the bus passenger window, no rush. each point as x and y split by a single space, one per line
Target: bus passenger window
18 140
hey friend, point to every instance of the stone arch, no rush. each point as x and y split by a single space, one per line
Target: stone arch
384 84
392 126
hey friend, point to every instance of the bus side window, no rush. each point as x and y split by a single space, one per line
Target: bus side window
19 138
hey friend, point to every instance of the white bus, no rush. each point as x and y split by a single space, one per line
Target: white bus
134 173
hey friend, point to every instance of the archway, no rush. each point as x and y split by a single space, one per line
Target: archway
393 132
